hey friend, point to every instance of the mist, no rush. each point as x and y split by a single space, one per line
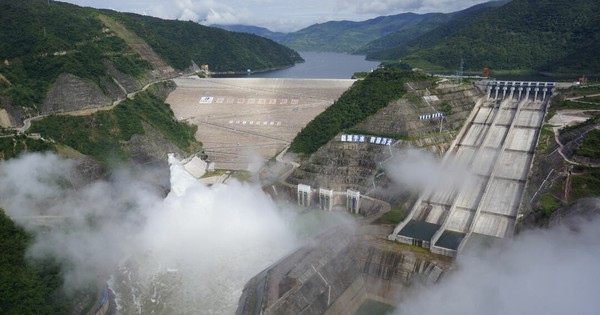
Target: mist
193 250
544 271
418 170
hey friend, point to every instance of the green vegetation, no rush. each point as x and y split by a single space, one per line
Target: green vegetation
394 216
360 75
547 204
103 134
546 35
566 104
575 91
11 147
348 36
430 22
179 42
363 99
586 183
372 307
546 139
591 99
40 40
590 147
27 287
446 109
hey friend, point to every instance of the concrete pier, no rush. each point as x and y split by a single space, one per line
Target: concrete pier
325 199
353 201
304 195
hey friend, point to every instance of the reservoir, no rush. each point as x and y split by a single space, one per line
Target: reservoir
323 65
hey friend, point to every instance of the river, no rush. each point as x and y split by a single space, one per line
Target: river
323 65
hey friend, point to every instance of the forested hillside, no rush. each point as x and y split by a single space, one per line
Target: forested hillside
115 134
362 100
40 40
181 42
429 23
256 30
547 35
348 36
27 287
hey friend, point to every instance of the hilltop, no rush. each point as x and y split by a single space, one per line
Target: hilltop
348 36
542 35
108 54
96 80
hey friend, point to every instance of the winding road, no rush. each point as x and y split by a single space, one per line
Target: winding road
87 111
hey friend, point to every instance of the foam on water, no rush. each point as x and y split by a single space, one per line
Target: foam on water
200 246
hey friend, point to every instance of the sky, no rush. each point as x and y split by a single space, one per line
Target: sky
276 15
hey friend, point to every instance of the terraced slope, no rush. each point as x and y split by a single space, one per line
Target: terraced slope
340 165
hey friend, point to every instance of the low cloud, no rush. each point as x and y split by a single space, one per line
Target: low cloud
390 7
550 272
283 16
419 170
194 249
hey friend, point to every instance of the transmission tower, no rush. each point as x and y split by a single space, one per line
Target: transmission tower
461 71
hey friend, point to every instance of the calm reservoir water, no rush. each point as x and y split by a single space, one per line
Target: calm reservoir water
323 65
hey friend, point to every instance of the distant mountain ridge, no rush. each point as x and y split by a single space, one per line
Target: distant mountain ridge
348 36
543 35
256 30
429 23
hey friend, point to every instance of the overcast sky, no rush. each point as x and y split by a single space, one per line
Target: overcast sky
277 15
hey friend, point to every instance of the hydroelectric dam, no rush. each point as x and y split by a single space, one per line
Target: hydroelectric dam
244 121
497 145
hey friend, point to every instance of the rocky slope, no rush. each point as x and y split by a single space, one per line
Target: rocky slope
341 165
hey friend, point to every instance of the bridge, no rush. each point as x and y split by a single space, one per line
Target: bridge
497 144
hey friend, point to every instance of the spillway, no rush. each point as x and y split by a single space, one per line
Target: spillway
497 145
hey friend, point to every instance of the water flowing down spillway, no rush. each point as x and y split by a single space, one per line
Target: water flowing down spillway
202 244
190 252
199 247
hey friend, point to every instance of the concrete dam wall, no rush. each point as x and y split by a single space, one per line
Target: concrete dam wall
336 273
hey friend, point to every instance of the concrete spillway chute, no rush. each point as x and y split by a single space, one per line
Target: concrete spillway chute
497 144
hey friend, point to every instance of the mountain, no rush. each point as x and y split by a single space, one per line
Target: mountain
542 35
429 23
347 36
44 43
256 30
93 83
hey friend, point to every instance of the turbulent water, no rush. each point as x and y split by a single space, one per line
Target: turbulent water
204 244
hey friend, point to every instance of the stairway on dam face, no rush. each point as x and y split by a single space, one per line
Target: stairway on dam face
497 146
